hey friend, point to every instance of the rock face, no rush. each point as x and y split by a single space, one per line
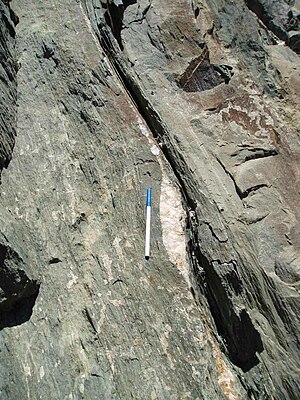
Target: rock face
17 291
8 83
199 100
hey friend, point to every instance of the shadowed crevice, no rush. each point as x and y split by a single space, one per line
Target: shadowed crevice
21 311
113 15
217 281
18 293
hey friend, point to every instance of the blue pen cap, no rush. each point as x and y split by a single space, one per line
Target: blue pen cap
149 197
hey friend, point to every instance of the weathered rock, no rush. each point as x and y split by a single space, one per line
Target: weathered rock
282 19
246 126
196 99
8 83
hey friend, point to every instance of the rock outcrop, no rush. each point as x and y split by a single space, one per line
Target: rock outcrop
8 83
199 100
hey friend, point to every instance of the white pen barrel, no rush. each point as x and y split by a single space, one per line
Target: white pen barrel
148 224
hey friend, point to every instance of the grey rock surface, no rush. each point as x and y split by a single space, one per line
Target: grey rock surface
281 17
8 83
17 291
199 100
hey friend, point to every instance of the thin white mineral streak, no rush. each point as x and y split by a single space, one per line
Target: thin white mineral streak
172 214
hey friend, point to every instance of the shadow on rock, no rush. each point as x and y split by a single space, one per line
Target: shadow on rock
18 293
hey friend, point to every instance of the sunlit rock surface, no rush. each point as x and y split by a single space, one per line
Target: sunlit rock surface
200 101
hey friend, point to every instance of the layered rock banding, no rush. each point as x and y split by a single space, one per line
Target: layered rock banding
197 99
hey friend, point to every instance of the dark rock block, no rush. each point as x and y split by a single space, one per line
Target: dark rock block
201 75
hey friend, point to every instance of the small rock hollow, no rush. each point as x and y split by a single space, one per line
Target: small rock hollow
201 75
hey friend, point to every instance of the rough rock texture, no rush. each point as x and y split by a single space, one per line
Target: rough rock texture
282 19
8 83
198 99
17 291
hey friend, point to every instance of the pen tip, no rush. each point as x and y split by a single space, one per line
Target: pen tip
147 257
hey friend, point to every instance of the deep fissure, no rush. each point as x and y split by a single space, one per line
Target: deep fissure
113 15
241 351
